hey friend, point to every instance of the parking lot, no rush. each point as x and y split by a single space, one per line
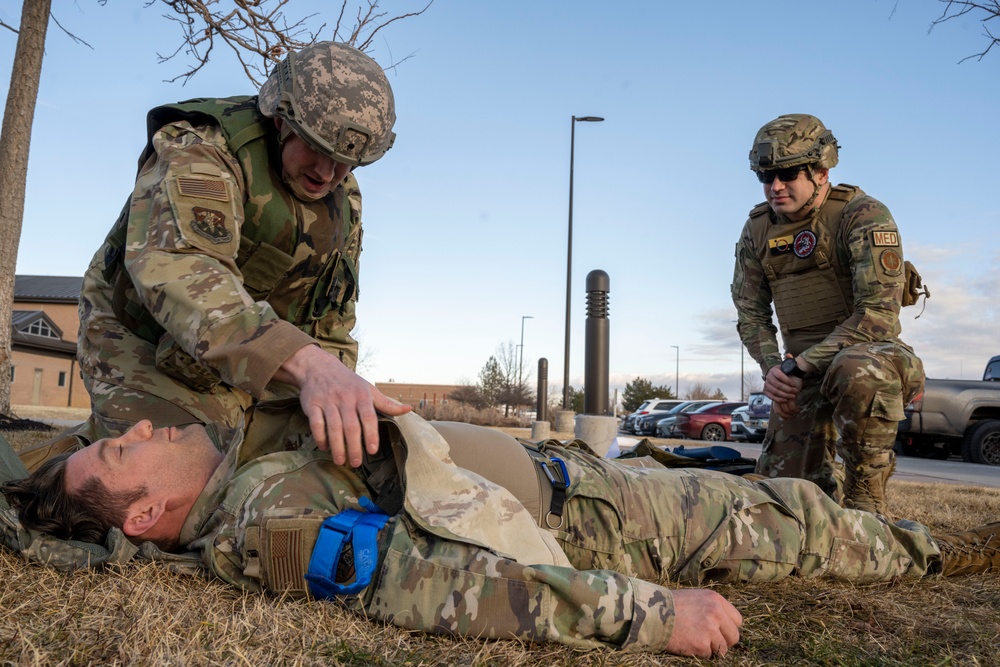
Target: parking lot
908 468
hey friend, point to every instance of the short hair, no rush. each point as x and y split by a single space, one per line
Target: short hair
43 503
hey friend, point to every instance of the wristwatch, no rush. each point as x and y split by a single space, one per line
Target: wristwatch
790 368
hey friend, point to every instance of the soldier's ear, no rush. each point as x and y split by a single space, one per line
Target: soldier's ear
142 516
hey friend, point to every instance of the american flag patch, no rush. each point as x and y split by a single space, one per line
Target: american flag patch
204 188
286 566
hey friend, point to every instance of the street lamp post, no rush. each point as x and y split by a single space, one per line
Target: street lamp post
677 373
743 375
521 356
569 250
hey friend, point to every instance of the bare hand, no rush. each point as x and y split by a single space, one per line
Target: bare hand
783 390
785 409
705 623
339 404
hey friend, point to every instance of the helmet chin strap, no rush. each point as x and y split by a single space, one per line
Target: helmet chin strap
297 189
284 132
816 188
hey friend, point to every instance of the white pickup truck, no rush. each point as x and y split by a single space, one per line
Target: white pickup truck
955 417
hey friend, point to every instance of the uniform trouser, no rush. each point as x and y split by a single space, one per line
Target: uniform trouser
853 411
694 526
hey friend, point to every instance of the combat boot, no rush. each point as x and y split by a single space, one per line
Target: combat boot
971 552
864 488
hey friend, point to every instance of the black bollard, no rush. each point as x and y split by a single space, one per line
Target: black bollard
595 378
542 401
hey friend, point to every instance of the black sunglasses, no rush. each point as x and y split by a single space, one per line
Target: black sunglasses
786 175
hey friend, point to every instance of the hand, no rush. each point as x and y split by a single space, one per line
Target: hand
785 409
705 623
340 405
783 390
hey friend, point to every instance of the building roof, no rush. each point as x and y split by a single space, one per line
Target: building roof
47 288
21 319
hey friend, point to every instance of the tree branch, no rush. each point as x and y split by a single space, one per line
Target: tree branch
71 35
259 34
956 8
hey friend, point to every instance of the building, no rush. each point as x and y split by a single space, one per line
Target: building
417 395
45 323
44 370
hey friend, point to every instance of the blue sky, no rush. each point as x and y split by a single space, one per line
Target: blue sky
466 217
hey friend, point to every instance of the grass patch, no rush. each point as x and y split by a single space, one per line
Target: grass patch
142 614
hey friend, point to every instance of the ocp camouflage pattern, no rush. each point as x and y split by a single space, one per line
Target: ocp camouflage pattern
628 532
866 373
223 344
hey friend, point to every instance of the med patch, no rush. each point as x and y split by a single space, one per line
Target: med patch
881 239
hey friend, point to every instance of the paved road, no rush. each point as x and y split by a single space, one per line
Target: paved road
907 467
921 470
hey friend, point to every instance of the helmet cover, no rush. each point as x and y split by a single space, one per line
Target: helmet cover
791 140
336 99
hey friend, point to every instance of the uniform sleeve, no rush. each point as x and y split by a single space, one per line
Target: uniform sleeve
183 236
441 586
752 298
868 241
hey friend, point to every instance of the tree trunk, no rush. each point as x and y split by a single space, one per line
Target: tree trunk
15 139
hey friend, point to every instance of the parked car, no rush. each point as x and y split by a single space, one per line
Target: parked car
664 424
757 417
646 424
709 423
736 423
649 407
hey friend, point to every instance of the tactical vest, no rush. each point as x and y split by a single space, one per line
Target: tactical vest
270 230
811 289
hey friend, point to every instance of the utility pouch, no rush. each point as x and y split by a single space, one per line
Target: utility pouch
346 553
262 266
172 360
914 288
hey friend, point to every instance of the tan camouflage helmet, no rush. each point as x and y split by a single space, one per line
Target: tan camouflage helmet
791 140
336 99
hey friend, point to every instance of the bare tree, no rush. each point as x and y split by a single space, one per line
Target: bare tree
258 32
985 11
699 391
15 139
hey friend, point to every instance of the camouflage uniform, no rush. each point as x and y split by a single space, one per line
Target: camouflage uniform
445 566
837 281
219 346
218 270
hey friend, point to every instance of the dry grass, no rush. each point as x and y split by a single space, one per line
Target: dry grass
142 615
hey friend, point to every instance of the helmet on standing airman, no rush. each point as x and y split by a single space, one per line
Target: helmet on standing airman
792 140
